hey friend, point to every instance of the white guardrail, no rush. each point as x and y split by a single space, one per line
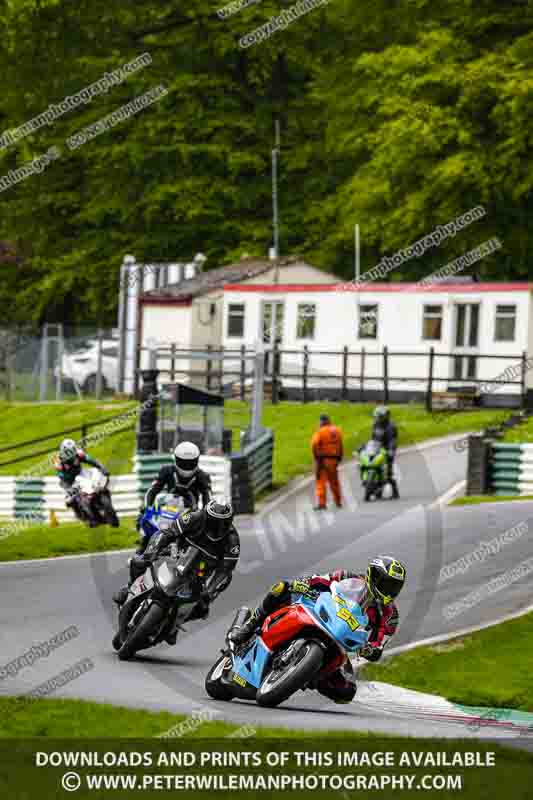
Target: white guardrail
126 491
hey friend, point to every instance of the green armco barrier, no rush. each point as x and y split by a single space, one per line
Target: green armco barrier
29 498
511 467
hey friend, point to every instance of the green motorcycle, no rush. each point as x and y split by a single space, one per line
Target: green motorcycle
372 463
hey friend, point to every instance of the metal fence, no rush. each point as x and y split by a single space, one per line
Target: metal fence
58 363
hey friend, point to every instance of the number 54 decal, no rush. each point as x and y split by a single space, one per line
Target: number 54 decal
348 617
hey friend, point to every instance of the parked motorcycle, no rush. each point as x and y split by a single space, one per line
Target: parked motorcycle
295 646
162 599
372 463
94 497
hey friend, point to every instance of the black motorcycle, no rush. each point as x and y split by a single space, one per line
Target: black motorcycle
170 591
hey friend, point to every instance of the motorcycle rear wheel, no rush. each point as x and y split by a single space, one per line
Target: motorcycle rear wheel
139 637
279 685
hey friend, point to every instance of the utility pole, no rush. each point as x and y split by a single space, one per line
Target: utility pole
357 254
275 212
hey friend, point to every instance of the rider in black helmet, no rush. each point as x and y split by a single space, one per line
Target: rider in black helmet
211 529
385 432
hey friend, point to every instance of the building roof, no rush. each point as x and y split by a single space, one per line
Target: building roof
397 287
212 279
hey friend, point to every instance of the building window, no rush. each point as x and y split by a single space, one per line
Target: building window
504 330
368 322
305 325
432 324
236 320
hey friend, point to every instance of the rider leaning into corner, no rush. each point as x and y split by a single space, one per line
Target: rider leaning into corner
385 432
69 466
384 579
211 529
184 479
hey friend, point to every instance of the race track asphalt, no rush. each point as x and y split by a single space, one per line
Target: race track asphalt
42 598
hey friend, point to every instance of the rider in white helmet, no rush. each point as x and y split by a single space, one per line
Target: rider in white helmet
184 479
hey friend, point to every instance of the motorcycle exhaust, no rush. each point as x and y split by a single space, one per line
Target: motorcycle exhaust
242 616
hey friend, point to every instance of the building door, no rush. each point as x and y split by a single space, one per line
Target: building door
273 317
466 341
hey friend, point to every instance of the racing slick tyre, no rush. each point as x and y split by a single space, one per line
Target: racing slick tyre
139 637
116 642
281 683
368 495
213 682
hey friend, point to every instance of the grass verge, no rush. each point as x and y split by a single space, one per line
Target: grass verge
42 541
476 499
71 727
487 668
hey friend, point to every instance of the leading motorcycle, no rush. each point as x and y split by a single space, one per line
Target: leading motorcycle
311 637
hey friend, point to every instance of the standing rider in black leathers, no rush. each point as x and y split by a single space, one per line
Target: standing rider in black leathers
182 479
210 529
385 432
68 466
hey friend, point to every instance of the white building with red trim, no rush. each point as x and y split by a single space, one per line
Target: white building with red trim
337 336
477 332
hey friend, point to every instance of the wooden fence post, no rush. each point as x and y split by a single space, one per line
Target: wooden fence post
172 363
208 369
275 372
523 381
362 377
345 373
305 372
385 374
243 371
429 393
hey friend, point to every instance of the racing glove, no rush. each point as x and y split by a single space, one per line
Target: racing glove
372 652
299 586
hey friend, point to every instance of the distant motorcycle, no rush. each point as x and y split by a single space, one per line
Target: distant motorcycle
372 463
296 645
162 599
165 510
94 497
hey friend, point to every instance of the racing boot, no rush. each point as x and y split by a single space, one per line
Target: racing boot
239 634
121 596
395 492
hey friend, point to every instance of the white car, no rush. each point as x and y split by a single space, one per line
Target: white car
81 366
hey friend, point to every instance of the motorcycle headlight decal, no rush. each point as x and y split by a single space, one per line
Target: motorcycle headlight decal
164 575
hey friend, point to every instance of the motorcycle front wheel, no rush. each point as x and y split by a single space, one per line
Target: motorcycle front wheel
213 682
139 638
281 683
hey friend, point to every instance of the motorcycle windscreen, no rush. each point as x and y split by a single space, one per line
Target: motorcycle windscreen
168 578
342 613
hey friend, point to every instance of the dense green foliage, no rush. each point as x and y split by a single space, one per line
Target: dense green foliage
397 116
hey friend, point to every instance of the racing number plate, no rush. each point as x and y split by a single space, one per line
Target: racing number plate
346 615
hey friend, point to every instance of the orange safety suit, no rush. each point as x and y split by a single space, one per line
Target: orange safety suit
326 445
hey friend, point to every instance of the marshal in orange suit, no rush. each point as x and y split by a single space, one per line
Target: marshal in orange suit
326 445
